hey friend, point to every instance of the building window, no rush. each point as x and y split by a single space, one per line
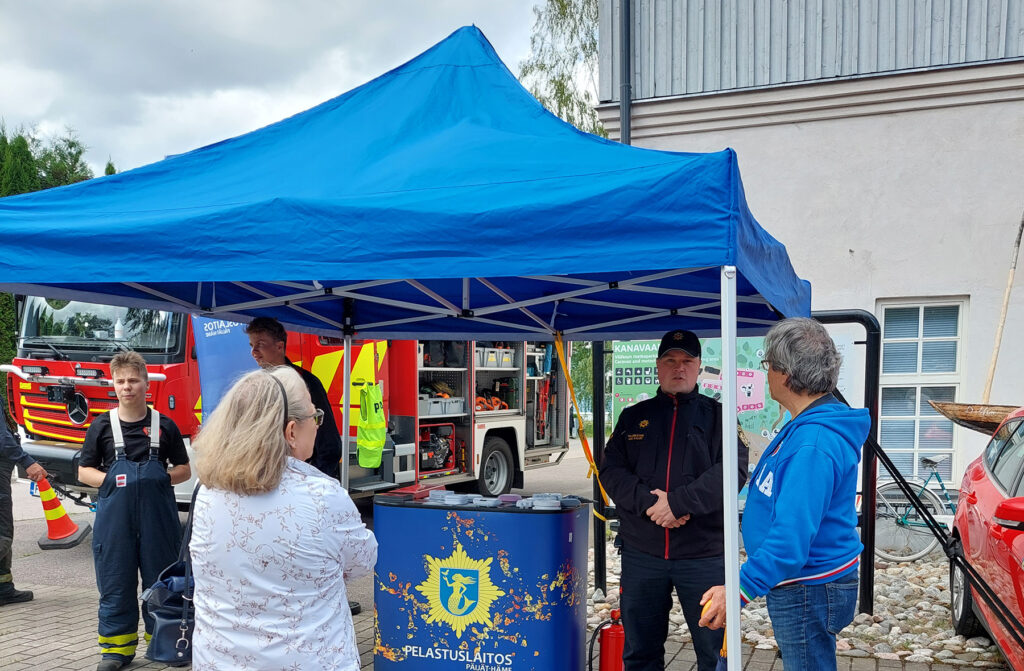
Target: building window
921 346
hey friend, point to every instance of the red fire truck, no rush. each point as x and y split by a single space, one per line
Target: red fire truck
476 415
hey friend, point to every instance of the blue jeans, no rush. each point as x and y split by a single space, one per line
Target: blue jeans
647 584
806 619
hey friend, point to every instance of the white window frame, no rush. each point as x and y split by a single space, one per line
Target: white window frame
919 380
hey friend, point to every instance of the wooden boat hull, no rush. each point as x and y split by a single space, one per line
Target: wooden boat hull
983 417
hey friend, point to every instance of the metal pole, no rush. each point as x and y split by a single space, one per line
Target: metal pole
730 480
597 411
869 460
626 72
346 408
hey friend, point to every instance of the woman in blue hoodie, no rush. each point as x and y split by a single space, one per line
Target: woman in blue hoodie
800 521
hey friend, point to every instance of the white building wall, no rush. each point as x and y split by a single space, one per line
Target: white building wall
902 186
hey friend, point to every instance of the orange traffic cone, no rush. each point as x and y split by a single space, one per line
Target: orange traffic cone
61 532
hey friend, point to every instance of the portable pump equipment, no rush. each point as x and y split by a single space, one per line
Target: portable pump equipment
437 447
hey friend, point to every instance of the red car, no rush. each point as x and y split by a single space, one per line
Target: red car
989 529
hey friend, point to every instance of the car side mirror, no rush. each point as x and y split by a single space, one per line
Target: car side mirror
1010 514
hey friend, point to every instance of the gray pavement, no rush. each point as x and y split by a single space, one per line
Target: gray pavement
57 631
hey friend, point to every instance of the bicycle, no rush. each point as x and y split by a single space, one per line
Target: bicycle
901 534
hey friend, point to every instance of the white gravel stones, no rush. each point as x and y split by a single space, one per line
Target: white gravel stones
911 619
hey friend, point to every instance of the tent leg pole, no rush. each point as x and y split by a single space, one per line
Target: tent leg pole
346 409
730 480
346 406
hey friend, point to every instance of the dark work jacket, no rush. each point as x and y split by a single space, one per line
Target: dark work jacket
10 448
671 443
327 448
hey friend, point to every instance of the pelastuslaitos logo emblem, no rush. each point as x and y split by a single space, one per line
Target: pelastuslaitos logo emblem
459 590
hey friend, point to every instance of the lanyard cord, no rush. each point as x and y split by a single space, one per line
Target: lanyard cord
560 347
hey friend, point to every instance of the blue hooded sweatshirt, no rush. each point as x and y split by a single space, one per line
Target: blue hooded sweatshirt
800 521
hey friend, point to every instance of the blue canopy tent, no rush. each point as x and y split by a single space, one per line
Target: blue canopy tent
439 200
441 197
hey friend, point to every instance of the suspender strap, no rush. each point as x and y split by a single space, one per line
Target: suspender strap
154 431
115 427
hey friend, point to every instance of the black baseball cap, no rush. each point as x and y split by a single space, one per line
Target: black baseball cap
687 341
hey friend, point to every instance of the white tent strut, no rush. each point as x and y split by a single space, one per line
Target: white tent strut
730 479
346 408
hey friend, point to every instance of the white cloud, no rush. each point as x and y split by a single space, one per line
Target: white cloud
141 80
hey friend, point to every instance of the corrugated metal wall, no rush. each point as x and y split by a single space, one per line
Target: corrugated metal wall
695 46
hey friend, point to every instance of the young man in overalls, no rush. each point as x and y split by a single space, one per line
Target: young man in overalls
134 456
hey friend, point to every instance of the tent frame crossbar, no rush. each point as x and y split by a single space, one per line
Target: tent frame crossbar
582 292
511 301
164 296
298 308
632 285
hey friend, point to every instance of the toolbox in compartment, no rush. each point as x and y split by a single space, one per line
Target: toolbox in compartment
454 406
506 358
432 406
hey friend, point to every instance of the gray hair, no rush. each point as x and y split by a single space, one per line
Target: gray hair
802 348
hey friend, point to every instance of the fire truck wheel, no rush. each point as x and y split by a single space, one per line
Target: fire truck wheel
496 468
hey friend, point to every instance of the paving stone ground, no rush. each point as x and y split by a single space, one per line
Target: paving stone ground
57 632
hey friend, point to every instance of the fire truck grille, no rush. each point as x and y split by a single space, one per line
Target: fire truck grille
47 420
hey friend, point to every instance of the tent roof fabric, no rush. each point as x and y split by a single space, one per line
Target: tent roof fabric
438 200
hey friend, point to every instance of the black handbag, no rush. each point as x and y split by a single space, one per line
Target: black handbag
169 602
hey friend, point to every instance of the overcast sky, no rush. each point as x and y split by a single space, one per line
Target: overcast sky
139 80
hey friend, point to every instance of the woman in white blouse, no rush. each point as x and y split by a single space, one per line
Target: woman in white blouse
273 539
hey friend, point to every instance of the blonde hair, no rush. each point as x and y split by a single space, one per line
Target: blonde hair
129 359
241 447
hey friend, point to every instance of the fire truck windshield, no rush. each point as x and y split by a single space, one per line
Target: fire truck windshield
67 326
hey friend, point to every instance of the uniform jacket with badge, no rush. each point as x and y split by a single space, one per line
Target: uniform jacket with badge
673 443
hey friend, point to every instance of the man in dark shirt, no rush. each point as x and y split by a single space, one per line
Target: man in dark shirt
11 455
663 469
267 339
134 456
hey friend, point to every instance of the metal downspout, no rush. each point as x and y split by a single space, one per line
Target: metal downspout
597 346
626 72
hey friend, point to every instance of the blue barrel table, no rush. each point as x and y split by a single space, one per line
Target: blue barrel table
475 588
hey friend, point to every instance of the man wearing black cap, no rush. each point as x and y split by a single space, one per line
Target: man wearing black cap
663 469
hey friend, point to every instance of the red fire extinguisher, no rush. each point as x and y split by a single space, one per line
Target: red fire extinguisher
612 638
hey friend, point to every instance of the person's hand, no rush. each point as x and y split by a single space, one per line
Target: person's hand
661 513
713 615
678 522
35 472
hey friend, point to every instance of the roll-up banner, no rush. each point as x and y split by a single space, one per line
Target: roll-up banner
222 351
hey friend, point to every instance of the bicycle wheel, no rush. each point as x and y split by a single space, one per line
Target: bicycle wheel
900 532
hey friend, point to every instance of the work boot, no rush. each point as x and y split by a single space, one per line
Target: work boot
112 663
8 594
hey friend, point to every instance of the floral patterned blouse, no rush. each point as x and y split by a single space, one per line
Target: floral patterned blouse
270 572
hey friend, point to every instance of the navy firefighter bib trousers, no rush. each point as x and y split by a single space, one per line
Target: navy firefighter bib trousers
137 531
